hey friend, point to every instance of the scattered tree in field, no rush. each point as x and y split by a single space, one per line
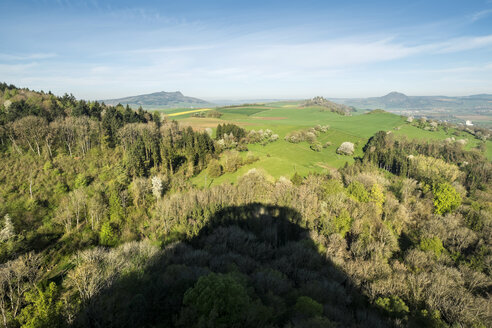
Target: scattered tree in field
346 148
215 169
309 135
316 146
233 161
214 114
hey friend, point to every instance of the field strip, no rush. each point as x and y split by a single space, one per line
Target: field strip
189 112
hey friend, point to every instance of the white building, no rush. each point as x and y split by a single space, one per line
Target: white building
468 123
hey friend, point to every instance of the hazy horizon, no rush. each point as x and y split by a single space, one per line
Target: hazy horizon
254 50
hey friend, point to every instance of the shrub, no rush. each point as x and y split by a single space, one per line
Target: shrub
233 162
297 179
215 169
316 146
214 114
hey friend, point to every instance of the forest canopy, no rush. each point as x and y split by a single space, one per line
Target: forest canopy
101 225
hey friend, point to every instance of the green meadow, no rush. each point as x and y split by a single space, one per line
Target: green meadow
282 158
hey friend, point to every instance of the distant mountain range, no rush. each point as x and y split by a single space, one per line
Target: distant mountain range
160 100
400 101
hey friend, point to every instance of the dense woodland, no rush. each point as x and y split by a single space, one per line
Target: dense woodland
101 227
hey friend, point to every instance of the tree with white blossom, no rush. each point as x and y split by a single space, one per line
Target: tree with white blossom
157 187
8 230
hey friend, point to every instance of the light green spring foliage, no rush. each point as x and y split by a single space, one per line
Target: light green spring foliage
342 223
394 305
107 236
43 310
377 195
357 191
433 245
446 198
81 181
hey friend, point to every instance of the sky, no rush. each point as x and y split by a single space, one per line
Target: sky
247 49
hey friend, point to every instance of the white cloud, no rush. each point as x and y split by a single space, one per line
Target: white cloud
481 14
463 44
22 57
239 67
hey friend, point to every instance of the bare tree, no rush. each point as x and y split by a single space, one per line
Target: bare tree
96 209
67 132
16 278
78 200
31 130
90 276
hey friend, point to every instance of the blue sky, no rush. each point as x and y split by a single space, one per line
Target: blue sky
247 49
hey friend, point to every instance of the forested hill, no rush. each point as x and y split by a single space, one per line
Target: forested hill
160 100
101 225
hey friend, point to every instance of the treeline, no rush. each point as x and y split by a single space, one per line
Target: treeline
397 155
227 129
47 125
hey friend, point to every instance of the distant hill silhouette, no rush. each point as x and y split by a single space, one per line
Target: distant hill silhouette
160 100
397 100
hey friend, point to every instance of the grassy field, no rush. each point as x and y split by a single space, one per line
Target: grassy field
282 158
189 112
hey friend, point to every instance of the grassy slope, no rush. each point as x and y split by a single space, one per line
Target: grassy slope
282 158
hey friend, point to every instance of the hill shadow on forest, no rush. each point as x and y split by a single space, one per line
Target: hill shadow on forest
262 249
